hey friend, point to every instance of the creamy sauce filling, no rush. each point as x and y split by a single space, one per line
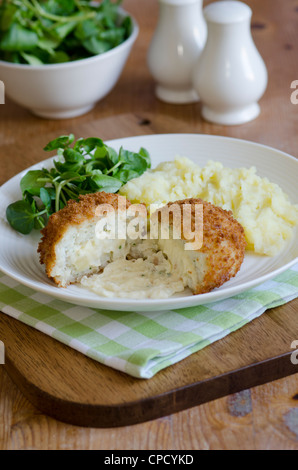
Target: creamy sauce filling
89 255
145 273
185 263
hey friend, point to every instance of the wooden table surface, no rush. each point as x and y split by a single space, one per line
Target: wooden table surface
265 417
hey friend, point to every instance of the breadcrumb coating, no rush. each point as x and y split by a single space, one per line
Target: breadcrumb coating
223 243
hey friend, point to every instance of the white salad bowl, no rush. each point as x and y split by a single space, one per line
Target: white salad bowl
66 90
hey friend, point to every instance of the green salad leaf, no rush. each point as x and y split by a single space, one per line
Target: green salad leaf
38 32
24 217
84 166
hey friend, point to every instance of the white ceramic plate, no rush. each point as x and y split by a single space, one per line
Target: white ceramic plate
18 253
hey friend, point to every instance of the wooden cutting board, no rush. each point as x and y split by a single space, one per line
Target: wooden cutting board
70 387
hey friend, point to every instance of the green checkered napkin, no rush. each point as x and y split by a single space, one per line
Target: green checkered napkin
141 344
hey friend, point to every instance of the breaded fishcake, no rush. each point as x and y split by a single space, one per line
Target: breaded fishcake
144 268
222 252
69 247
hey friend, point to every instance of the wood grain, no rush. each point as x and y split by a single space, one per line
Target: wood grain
207 427
271 424
68 386
72 388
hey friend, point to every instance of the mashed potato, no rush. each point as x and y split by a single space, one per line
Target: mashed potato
261 207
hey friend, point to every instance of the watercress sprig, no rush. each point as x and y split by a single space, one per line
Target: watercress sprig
84 166
38 32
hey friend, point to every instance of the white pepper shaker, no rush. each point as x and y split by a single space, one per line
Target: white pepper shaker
230 75
176 45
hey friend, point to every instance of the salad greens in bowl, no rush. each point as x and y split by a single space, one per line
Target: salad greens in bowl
53 31
58 58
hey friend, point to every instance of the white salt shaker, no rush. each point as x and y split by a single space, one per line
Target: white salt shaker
230 75
176 45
